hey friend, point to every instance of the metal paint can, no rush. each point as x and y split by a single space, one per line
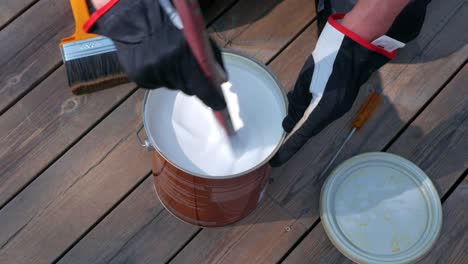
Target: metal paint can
380 208
202 197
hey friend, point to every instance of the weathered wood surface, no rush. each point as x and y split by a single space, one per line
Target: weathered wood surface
288 64
451 246
437 142
41 126
72 194
88 160
262 237
121 236
35 132
429 61
49 119
9 9
139 224
260 38
29 45
37 214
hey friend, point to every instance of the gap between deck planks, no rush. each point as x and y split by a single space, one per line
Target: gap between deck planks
10 9
437 141
28 165
402 83
46 122
227 243
33 54
428 62
31 215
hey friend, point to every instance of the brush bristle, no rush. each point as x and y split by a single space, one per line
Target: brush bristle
93 73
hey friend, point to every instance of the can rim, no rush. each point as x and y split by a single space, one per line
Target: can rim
282 93
345 247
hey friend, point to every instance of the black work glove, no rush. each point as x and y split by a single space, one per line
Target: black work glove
328 84
152 48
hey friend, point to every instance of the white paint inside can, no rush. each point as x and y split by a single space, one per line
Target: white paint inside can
187 134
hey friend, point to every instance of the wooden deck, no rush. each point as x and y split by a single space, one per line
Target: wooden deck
75 186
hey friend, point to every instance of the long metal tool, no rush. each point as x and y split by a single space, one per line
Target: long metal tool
198 41
362 116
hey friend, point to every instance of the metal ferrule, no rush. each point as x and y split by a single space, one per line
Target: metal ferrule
86 48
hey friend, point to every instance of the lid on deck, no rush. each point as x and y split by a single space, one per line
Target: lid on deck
380 208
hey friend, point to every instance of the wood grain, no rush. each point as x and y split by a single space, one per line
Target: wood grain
76 191
29 47
262 40
239 18
262 237
34 53
139 224
451 246
430 61
289 63
39 127
9 9
26 229
437 142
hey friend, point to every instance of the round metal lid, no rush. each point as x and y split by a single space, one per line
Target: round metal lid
380 208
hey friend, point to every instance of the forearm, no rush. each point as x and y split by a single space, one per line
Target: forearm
371 19
99 3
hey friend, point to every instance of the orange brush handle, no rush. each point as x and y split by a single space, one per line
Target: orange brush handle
366 110
81 15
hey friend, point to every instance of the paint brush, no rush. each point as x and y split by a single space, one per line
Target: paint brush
198 41
90 60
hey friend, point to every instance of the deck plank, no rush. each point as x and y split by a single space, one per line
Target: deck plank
33 53
72 194
39 209
49 119
437 142
298 51
262 40
41 126
290 61
146 227
9 9
406 86
451 246
262 237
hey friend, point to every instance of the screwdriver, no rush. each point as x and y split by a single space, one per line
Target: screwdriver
362 116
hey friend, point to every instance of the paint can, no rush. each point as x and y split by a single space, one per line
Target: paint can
380 208
199 178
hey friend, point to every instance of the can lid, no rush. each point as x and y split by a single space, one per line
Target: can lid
380 208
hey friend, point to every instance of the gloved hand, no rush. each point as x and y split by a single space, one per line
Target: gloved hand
152 48
328 84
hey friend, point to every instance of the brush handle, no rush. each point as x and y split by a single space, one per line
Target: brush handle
81 15
199 43
197 38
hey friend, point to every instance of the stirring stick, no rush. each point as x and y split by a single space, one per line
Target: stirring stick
198 41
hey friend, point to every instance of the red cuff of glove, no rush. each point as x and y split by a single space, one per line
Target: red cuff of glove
98 14
332 20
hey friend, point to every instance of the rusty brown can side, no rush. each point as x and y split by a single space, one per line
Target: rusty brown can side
207 202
